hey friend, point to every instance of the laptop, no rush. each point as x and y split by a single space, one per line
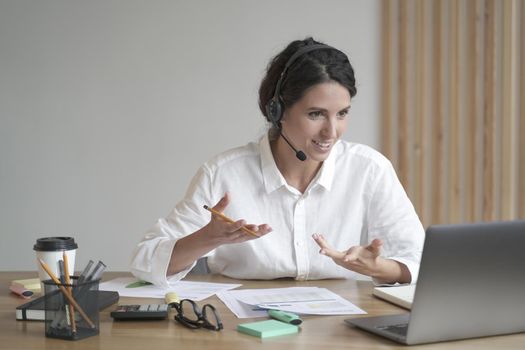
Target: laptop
471 284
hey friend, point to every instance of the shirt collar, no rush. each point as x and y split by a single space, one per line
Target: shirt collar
326 174
273 179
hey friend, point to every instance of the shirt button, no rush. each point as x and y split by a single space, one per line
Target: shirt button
297 244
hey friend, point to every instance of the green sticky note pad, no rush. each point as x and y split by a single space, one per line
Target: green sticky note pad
268 328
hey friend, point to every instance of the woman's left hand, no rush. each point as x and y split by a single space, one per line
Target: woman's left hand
363 260
366 261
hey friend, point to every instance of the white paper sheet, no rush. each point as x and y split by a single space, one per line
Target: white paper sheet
301 300
241 310
185 289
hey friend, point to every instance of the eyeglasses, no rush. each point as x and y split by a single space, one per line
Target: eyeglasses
190 315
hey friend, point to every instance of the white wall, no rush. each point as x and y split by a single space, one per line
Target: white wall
107 108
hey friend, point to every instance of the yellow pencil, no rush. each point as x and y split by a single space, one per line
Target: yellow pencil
227 219
66 293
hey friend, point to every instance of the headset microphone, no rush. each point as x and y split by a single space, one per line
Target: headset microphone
299 154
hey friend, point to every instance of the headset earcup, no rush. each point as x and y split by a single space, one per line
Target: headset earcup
274 111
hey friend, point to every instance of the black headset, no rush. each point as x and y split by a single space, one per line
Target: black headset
275 108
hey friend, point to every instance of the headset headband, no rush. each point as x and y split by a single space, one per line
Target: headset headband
291 60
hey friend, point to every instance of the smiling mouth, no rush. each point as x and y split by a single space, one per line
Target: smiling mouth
323 145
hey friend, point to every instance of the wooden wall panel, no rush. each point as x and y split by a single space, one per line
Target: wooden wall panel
438 117
521 149
489 105
454 106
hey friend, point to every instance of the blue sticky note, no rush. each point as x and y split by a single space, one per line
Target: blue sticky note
268 328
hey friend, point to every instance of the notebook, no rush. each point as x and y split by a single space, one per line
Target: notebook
470 284
34 309
400 295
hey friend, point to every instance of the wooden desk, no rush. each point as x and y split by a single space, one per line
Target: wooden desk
317 332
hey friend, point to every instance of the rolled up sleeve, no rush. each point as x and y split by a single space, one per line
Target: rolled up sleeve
151 257
393 219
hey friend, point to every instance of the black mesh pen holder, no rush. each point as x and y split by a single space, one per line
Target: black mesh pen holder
71 310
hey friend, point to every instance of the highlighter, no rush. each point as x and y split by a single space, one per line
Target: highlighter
287 317
21 291
171 298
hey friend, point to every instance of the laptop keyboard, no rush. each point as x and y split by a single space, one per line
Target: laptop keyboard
399 329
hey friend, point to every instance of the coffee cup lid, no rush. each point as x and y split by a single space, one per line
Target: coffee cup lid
49 244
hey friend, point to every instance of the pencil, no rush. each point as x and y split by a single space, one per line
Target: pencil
66 294
70 289
227 219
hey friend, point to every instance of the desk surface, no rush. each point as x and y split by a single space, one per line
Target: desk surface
317 332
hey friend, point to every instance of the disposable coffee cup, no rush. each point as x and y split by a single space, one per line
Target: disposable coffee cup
50 250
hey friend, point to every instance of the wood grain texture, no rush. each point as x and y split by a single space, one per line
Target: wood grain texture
521 148
460 107
317 332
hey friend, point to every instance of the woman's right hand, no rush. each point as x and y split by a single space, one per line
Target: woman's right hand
222 232
216 233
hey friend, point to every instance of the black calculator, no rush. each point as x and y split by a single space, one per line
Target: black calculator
141 312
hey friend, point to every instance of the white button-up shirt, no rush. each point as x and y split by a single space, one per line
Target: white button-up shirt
354 198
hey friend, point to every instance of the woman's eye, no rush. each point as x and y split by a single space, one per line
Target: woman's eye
343 114
315 114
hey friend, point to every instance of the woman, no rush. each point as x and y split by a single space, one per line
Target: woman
305 193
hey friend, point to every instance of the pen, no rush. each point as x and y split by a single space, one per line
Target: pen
61 272
92 276
66 293
69 288
62 278
85 272
227 219
286 317
97 271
